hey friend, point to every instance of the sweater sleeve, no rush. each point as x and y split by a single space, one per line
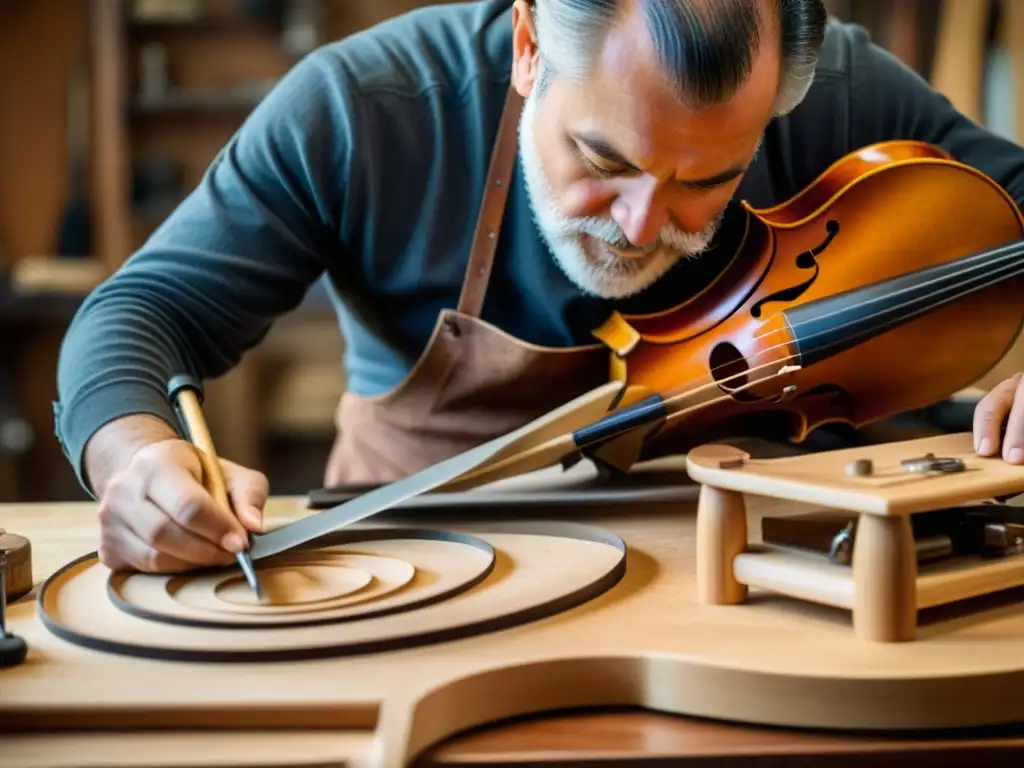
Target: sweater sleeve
888 100
242 249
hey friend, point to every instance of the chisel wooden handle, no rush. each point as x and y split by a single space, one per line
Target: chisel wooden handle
186 396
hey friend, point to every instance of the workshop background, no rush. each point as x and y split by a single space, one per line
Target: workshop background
110 111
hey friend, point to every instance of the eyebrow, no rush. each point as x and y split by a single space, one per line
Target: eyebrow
603 148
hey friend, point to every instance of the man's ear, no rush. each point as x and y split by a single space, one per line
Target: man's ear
525 57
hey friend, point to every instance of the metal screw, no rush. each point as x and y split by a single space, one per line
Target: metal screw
860 468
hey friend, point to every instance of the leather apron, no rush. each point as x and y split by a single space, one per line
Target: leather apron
473 382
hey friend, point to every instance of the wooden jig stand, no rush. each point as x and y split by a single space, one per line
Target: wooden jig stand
884 487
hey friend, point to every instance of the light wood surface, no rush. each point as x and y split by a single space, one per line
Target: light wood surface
648 641
889 490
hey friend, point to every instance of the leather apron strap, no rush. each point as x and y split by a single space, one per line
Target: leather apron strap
492 209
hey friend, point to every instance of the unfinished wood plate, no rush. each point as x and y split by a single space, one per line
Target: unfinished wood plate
222 598
353 591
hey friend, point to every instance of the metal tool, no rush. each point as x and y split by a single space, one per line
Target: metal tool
13 649
379 499
186 395
927 548
989 530
932 464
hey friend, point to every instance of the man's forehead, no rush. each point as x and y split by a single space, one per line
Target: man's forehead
626 63
628 99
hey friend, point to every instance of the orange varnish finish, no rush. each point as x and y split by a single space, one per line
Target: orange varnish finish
894 208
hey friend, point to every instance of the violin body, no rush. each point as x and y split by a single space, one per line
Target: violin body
890 283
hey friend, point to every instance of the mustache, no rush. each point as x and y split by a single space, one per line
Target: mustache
610 233
605 230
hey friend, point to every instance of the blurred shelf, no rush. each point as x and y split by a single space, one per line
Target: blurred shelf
200 102
47 287
219 25
16 308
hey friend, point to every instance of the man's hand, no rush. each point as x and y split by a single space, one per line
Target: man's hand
156 516
1002 405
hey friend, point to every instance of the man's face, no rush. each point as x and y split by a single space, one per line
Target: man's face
624 181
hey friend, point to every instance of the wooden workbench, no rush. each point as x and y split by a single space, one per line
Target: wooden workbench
62 532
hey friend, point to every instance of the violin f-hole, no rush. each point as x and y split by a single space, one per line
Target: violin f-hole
805 260
731 371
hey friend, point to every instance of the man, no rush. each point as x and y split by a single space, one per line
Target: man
473 241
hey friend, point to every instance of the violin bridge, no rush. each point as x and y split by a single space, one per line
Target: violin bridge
788 391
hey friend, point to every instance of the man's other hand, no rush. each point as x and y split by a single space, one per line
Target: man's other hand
1003 405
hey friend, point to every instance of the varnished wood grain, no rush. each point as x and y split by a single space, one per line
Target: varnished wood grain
639 738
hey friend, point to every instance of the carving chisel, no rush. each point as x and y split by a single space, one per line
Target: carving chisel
186 395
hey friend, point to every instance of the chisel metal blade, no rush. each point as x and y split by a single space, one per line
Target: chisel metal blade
558 426
370 503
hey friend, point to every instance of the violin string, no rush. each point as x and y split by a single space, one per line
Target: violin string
699 406
992 258
1018 248
714 384
952 293
793 358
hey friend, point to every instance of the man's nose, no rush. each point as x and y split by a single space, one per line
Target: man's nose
639 211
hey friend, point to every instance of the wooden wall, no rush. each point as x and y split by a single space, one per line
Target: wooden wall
38 43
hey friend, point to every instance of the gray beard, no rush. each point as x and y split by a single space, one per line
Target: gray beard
578 243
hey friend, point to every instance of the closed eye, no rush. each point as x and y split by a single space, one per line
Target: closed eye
603 149
600 172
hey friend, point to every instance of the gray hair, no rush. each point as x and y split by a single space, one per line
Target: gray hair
706 47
